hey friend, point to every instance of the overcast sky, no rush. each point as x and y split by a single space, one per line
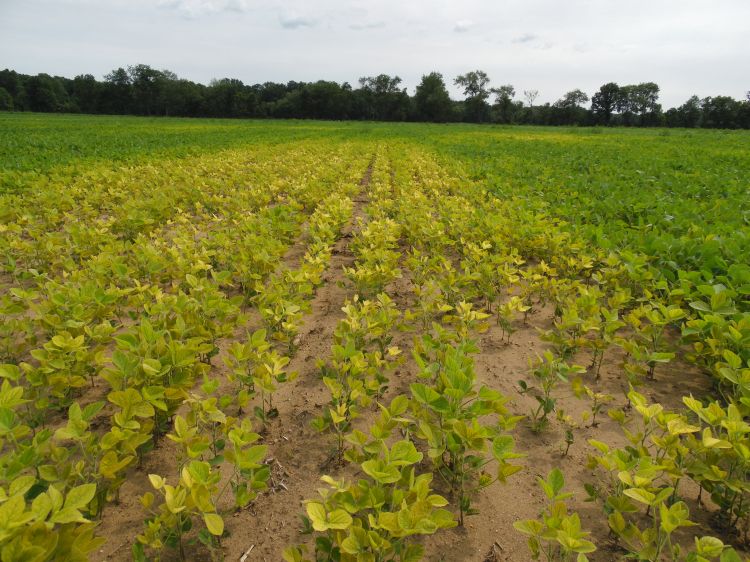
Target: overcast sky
686 46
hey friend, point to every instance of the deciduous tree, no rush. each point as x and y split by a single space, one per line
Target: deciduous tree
530 96
605 101
504 106
474 84
431 99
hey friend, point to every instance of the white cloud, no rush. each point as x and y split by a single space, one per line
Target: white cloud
462 26
367 25
296 21
525 38
197 8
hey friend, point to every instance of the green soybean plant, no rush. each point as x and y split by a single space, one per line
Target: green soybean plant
446 412
377 517
556 535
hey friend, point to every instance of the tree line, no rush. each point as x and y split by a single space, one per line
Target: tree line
143 90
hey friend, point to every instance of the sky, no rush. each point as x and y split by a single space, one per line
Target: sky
686 46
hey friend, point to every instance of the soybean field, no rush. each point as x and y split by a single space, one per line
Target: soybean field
258 340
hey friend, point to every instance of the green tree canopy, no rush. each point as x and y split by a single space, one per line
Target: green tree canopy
431 100
474 84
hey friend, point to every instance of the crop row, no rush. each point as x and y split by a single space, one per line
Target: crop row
133 298
139 320
478 253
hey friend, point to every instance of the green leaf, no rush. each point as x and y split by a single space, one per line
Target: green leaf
556 480
336 519
734 360
423 393
380 471
10 372
151 367
41 507
730 555
317 514
502 447
68 515
412 553
21 485
404 453
709 546
700 306
92 409
640 495
528 526
156 481
678 426
80 496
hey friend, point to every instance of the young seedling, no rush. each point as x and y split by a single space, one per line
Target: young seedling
547 372
506 313
556 534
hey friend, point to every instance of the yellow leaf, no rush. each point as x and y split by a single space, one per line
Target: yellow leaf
214 523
